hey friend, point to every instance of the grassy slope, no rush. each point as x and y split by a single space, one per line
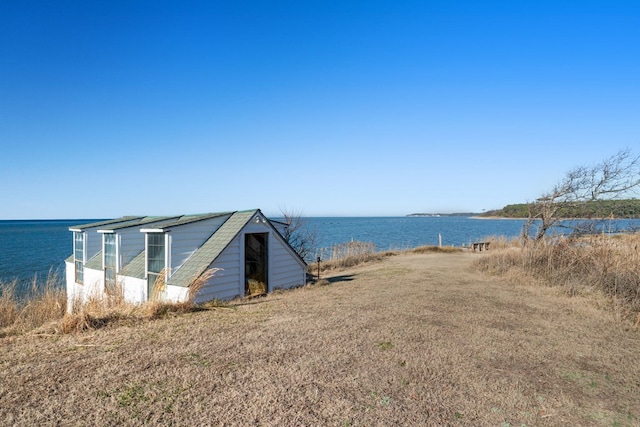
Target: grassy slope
414 340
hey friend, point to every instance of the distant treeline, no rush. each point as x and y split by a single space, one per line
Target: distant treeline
628 208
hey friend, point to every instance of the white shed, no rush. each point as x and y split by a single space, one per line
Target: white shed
248 251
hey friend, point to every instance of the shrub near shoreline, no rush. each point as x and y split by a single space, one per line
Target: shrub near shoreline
350 254
44 302
579 265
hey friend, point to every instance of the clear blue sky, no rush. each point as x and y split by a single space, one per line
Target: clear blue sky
109 108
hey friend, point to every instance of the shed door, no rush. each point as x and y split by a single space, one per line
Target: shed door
255 264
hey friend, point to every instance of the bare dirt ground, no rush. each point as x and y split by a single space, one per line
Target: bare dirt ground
412 340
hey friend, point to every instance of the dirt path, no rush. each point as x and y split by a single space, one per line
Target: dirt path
414 340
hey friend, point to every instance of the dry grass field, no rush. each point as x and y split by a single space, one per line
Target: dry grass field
415 339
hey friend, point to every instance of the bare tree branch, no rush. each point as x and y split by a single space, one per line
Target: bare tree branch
301 238
615 177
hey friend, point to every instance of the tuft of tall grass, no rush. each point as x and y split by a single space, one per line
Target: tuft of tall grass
100 312
9 308
46 302
349 254
607 264
43 302
502 242
435 249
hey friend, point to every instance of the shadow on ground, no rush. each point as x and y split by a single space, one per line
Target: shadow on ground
341 278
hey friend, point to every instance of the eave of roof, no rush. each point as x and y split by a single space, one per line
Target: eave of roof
137 223
82 227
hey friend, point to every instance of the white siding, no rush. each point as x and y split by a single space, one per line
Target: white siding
186 239
93 286
176 293
134 289
72 287
228 283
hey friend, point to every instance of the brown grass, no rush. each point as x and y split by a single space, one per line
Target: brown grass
605 264
436 249
417 339
43 303
9 308
43 309
502 242
349 254
98 313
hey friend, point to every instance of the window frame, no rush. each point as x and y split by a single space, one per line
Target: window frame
79 244
110 260
159 259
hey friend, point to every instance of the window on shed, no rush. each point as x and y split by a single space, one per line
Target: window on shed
155 260
109 261
78 255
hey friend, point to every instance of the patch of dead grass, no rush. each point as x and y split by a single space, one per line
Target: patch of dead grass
348 255
43 302
579 266
433 343
43 309
114 309
436 249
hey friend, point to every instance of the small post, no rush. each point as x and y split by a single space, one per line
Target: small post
318 260
439 240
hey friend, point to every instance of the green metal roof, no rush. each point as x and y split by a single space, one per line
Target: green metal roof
135 268
103 223
211 249
188 219
95 263
137 222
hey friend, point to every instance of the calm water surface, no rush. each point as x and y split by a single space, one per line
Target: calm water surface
409 232
34 247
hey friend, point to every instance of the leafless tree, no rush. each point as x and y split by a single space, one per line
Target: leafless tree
615 177
300 236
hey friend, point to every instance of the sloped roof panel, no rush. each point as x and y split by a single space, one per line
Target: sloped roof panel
95 263
135 268
211 249
188 219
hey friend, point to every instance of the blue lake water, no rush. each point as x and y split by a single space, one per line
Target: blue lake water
34 247
409 232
